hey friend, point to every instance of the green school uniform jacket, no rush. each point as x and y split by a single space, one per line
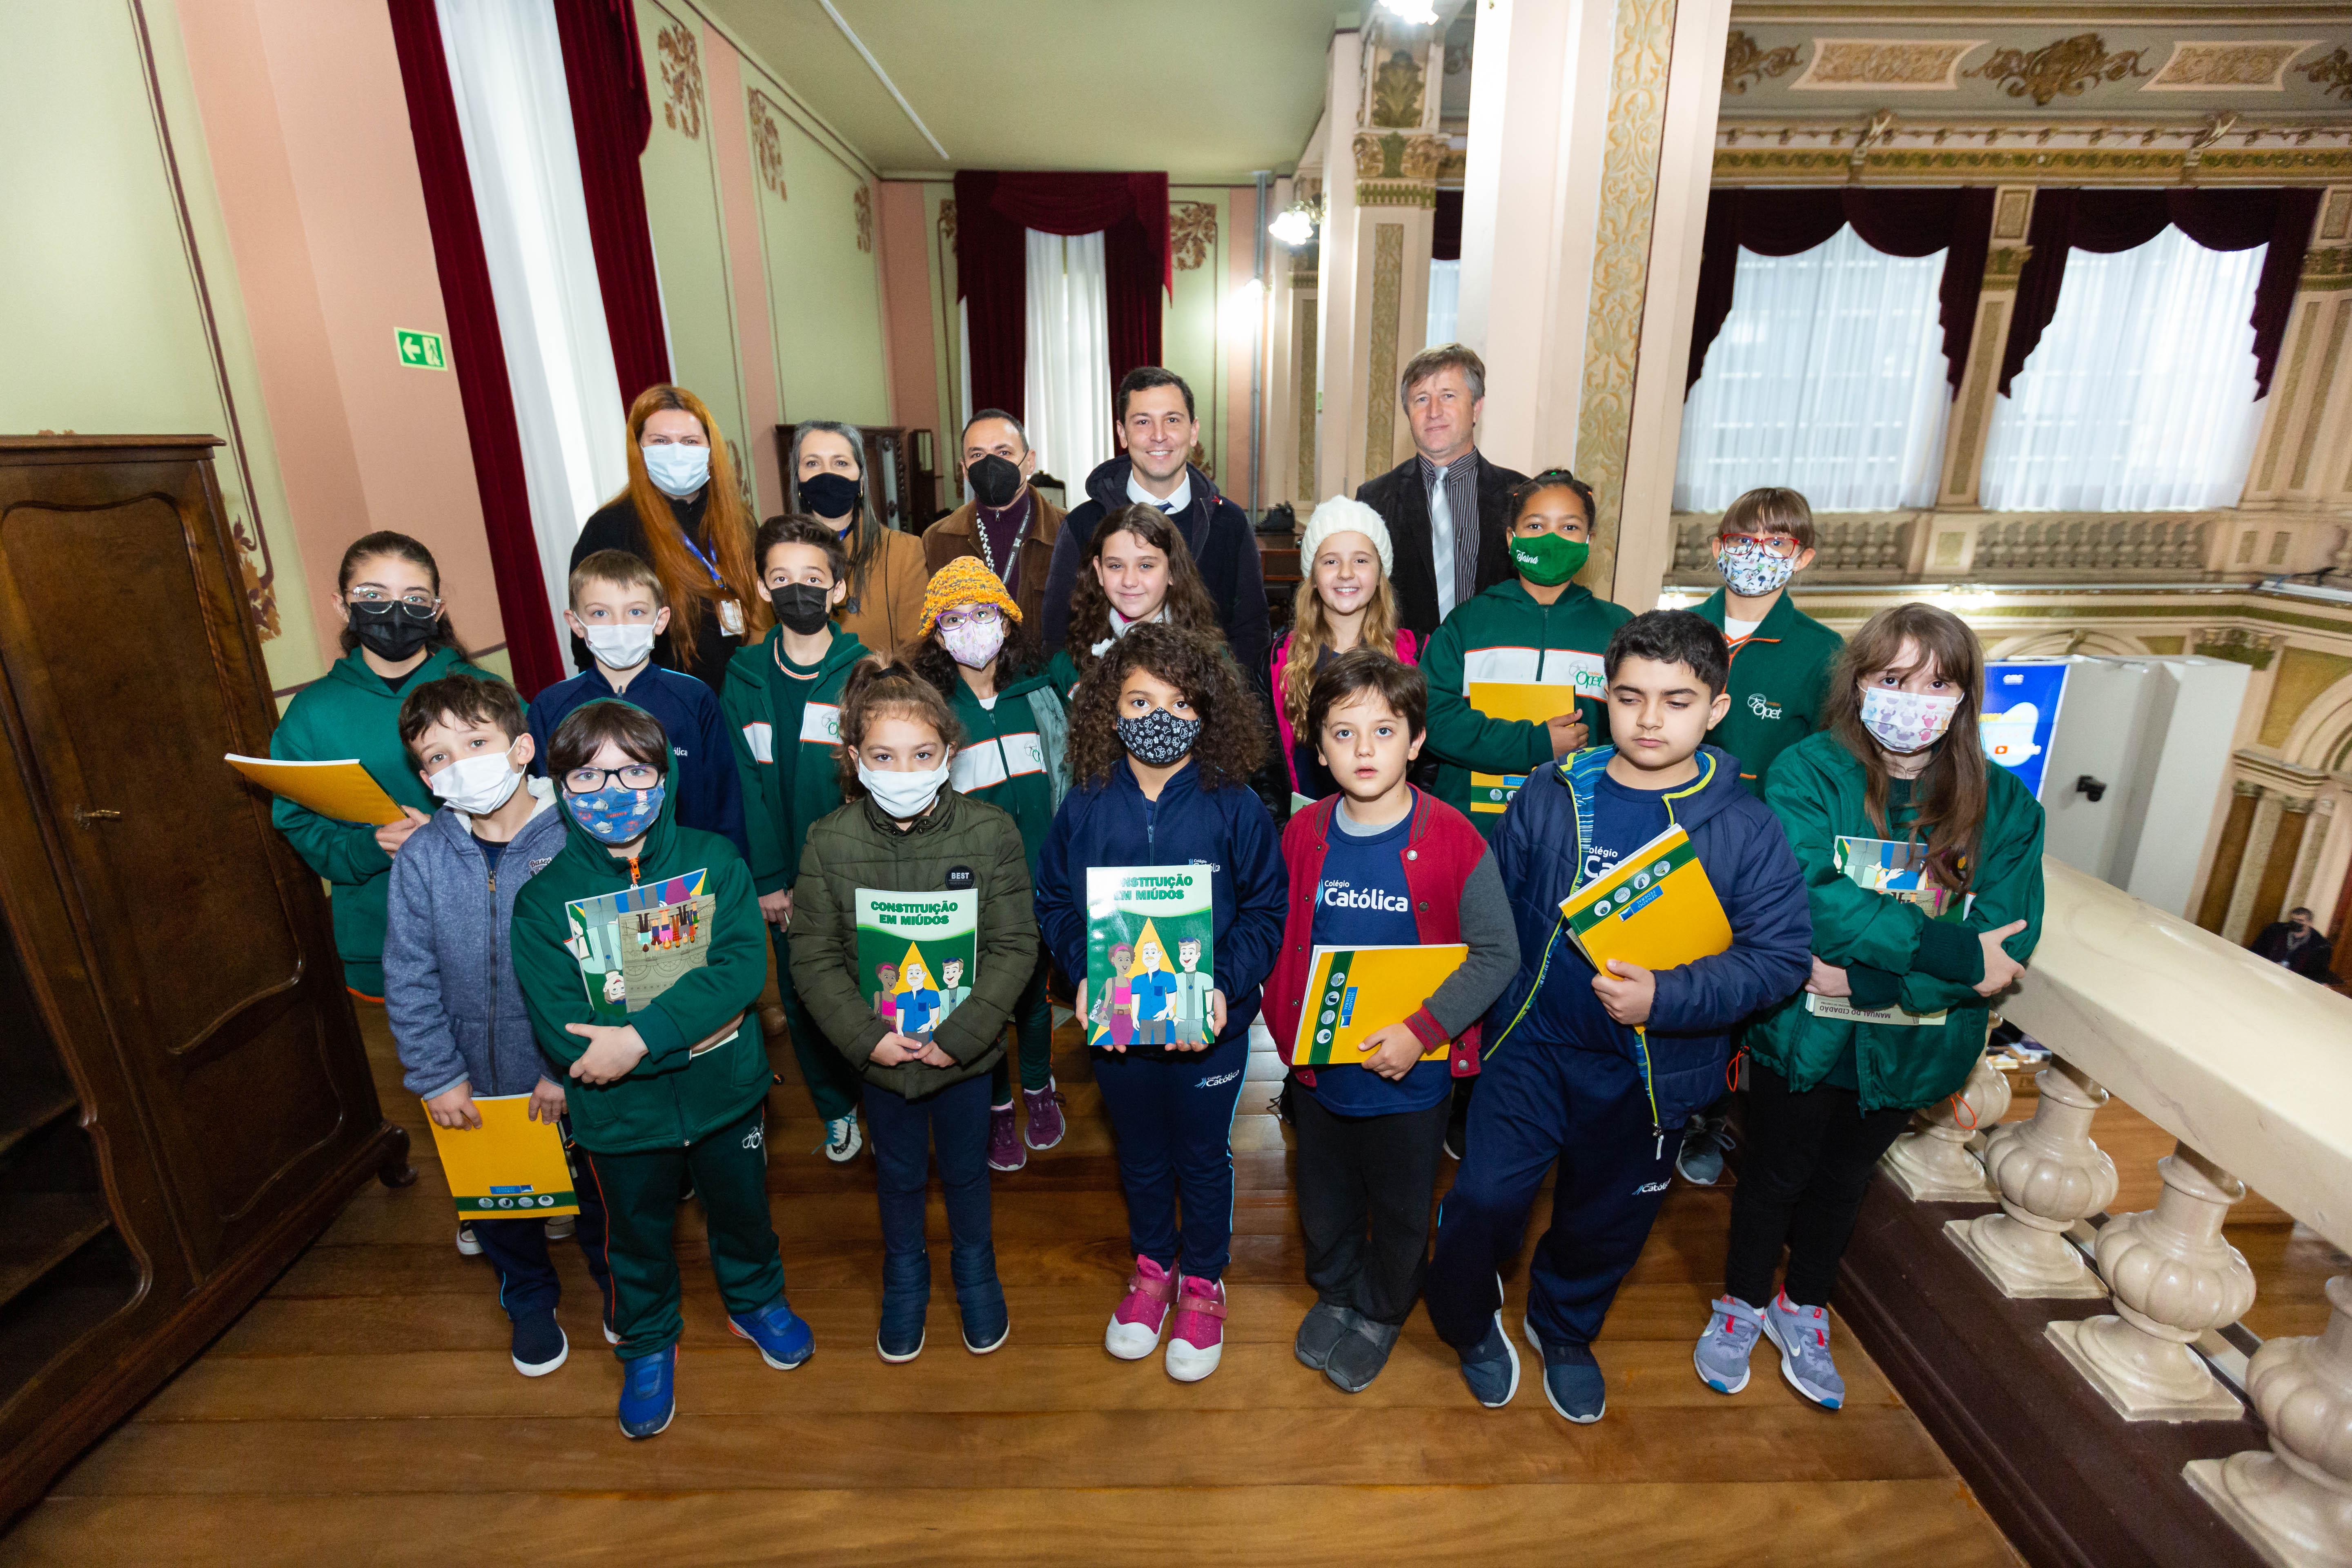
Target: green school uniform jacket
1779 678
671 1097
780 724
352 713
1503 635
1816 789
1016 755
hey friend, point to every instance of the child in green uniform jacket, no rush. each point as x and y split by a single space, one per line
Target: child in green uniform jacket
782 703
977 653
1538 630
395 636
1779 656
674 1088
1898 758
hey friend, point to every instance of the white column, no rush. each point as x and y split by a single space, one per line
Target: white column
1336 374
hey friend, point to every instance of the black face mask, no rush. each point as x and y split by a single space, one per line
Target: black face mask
801 607
829 495
393 631
994 482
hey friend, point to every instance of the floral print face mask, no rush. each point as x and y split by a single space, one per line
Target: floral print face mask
1905 721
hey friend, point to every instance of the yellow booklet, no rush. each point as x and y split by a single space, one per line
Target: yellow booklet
1534 702
1656 910
344 791
1354 993
508 1166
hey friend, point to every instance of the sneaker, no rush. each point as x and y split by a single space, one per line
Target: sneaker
466 1243
906 1302
842 1138
1004 1150
561 1227
1700 1159
1196 1333
612 1336
1325 1326
1046 1125
980 1302
1134 1330
539 1346
649 1393
784 1341
1491 1367
1571 1379
1732 1328
1802 1333
1358 1357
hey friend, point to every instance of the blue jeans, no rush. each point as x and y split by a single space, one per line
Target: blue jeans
1172 1117
903 1133
517 1249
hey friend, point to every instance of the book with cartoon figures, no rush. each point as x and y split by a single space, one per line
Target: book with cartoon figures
1656 909
1567 677
634 944
1898 868
1357 992
506 1166
1149 955
917 956
344 791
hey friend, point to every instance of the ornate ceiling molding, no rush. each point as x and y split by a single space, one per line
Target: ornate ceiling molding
2061 69
2054 152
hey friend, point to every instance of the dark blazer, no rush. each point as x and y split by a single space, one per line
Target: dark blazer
1404 505
2311 960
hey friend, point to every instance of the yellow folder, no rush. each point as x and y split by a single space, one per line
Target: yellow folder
509 1167
1656 910
1533 702
1354 993
344 791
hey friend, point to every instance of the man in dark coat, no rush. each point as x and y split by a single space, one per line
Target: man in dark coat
1446 506
2296 945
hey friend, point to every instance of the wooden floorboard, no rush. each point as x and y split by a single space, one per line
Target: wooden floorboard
364 1410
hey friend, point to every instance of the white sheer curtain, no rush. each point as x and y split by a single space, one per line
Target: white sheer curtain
1068 384
1828 377
506 70
1445 300
2140 396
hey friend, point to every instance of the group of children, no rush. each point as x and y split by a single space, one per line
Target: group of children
971 761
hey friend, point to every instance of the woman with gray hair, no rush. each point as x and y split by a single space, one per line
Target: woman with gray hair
887 572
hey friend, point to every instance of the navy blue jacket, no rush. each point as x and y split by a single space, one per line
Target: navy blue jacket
1224 547
709 792
1686 1044
1226 829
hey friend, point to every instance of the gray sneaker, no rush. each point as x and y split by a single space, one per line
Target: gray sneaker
1804 1335
1700 1159
1733 1327
1325 1326
1357 1359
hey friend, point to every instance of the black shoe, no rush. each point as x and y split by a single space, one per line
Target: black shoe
1358 1357
539 1346
1325 1326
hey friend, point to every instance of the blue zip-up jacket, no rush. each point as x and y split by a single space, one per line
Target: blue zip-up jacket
1226 830
710 791
449 988
1682 1051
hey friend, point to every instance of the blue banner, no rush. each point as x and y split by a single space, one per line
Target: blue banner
2021 714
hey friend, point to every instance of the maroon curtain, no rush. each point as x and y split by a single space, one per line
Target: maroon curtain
1445 234
2105 222
992 209
612 116
1790 221
477 352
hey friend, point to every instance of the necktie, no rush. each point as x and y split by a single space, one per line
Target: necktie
1440 536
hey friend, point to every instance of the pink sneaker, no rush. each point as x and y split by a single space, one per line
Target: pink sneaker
1197 1338
1134 1330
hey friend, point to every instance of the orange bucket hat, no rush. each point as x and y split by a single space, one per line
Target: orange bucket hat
965 579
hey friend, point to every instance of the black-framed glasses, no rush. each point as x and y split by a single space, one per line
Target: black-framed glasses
634 775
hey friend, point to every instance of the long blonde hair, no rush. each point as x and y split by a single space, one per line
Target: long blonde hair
1310 633
684 577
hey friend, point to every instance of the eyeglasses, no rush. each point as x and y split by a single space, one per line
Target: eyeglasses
414 599
978 618
1779 544
588 781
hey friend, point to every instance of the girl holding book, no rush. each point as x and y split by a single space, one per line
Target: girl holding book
1895 1017
1162 740
904 830
1136 569
1345 602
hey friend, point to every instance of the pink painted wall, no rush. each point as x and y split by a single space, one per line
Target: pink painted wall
906 316
307 125
739 199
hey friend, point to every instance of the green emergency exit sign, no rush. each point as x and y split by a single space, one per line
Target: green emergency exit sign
425 350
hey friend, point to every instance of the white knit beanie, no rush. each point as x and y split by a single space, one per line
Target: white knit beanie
1340 515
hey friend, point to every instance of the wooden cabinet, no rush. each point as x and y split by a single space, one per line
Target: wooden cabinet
184 1101
899 479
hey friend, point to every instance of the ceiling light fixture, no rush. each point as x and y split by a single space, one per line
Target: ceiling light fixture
1295 225
1417 11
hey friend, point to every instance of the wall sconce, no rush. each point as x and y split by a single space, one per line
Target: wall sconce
1295 225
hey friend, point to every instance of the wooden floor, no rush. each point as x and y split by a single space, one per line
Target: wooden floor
364 1410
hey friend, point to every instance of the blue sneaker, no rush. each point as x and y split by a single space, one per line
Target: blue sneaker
538 1346
1491 1367
1803 1336
1733 1327
783 1339
649 1393
1572 1379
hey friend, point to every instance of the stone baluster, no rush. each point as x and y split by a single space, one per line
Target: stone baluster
2050 1174
2172 1278
1931 1162
2294 1501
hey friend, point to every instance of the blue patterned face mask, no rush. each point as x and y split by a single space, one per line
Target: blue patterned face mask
616 815
1751 571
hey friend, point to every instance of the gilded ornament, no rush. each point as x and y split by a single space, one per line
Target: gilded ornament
948 222
1381 361
2195 66
260 591
1396 90
1746 63
2326 269
682 74
1192 231
2332 75
767 146
1907 65
2066 68
1425 156
863 202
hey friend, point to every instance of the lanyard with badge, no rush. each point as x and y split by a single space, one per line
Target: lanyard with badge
731 611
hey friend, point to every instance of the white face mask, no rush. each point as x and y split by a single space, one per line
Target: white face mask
904 795
678 470
1905 722
619 648
477 786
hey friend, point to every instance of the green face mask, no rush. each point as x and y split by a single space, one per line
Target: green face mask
1547 560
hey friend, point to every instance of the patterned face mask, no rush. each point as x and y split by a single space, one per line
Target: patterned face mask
1159 738
614 814
1905 721
1751 571
974 640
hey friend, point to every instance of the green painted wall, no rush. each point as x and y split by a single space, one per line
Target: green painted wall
825 289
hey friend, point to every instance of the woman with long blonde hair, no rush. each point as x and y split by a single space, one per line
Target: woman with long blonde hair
683 515
1345 601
